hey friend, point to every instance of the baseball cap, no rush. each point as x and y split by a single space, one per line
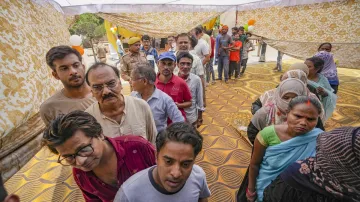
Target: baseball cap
167 55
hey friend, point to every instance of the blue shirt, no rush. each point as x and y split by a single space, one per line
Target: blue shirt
151 52
162 107
217 44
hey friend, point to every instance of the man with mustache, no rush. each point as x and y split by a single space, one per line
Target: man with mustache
118 114
100 164
66 65
175 178
171 84
183 45
193 113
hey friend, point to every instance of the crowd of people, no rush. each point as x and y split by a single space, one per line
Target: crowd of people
143 147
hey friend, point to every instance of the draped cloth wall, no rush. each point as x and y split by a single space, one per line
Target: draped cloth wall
299 30
160 24
28 29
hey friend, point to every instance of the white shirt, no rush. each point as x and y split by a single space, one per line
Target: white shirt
197 101
202 49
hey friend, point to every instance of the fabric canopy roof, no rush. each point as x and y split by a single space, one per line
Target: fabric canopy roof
64 3
76 7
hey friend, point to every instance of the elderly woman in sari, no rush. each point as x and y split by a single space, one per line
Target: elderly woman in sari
321 83
332 175
276 103
329 70
277 146
297 66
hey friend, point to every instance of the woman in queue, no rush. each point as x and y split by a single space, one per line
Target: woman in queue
274 108
277 146
322 85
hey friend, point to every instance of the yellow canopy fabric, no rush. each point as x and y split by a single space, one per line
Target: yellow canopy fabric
127 33
110 36
210 24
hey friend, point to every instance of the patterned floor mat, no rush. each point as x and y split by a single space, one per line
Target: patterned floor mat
226 153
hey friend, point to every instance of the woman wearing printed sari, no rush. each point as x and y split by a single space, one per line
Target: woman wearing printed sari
320 82
329 70
277 146
332 175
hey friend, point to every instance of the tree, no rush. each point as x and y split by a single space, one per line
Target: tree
91 26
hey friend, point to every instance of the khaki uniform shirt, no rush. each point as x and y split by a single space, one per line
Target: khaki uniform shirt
130 60
137 119
101 52
60 104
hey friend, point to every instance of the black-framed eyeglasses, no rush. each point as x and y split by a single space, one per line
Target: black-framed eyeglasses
69 160
100 87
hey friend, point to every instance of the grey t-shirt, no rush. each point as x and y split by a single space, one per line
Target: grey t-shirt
141 187
225 41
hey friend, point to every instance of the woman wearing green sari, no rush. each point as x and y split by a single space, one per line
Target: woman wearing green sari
322 85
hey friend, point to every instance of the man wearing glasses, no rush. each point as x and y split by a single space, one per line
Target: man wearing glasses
66 65
171 84
143 79
118 114
100 164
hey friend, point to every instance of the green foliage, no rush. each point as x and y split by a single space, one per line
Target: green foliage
100 31
89 25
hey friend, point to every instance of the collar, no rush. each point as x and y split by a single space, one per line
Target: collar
189 77
156 94
158 187
170 81
119 150
134 54
120 154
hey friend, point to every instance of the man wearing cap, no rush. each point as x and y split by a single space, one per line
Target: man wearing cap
134 57
225 43
171 84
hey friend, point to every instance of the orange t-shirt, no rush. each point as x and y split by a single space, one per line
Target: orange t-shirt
235 55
